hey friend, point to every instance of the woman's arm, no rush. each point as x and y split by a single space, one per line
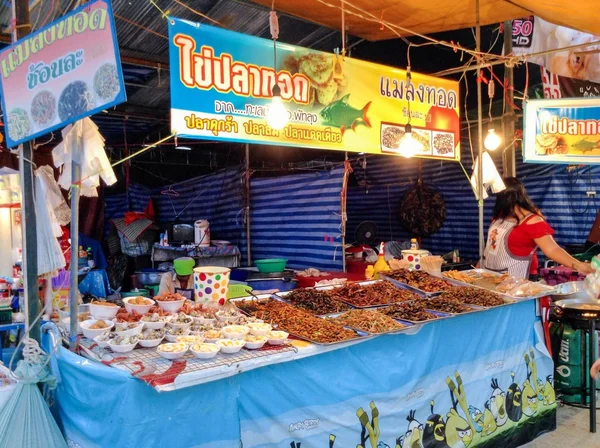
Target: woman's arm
595 370
553 251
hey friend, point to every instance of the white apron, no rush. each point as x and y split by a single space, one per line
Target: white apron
497 256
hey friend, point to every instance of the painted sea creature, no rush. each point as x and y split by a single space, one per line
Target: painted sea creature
584 145
342 115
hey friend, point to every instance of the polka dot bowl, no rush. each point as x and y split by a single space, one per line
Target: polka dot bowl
211 284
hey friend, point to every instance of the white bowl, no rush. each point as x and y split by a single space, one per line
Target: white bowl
150 342
226 331
227 318
230 350
258 331
172 355
204 320
140 309
183 340
121 348
132 331
103 311
212 340
172 337
178 326
171 306
277 340
256 345
154 325
101 344
92 333
206 355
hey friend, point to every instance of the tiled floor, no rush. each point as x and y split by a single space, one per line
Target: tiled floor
572 431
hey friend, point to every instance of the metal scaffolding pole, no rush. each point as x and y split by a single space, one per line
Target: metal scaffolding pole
509 117
248 241
29 224
479 135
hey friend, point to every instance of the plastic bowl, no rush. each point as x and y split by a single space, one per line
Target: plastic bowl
206 355
132 331
140 309
172 355
229 334
256 345
92 333
269 265
189 340
150 342
204 320
261 329
121 348
103 311
172 306
230 350
274 339
178 326
172 337
101 344
155 325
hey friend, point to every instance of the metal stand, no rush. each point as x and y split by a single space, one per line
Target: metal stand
592 389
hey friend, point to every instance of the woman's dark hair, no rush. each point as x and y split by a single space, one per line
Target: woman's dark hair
512 197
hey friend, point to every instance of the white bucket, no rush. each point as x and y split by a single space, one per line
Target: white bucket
413 256
211 284
202 233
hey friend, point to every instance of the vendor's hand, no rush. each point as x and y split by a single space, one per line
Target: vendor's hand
595 368
584 268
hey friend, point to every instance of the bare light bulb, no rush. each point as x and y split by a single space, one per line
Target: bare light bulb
492 140
277 116
408 145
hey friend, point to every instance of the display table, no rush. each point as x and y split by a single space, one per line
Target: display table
376 392
225 256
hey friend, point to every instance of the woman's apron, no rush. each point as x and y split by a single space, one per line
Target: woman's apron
187 293
497 256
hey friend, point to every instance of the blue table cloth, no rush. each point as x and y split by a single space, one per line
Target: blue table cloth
477 380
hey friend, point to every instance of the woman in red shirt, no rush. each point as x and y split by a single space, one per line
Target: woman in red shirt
518 229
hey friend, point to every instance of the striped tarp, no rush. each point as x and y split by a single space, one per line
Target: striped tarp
298 217
295 217
558 190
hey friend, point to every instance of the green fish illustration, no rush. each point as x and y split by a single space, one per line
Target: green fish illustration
584 145
341 115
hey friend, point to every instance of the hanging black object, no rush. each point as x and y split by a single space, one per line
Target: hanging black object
422 210
366 233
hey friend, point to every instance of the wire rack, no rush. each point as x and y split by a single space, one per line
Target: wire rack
147 365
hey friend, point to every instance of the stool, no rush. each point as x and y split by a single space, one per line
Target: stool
589 326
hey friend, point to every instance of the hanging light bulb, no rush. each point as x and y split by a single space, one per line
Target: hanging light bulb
408 145
492 140
277 117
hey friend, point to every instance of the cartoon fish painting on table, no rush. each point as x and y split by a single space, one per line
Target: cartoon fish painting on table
584 145
342 115
497 404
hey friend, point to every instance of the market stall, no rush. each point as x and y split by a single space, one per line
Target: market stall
459 378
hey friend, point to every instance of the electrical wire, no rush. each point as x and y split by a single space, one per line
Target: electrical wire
131 22
204 16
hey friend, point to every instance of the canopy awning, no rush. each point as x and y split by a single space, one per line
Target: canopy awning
432 16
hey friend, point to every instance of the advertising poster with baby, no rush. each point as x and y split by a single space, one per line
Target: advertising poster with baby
221 85
68 70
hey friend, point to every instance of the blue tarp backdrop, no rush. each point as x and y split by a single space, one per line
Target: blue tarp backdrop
482 379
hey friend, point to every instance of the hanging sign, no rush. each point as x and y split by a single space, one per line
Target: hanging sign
562 131
556 86
221 90
68 70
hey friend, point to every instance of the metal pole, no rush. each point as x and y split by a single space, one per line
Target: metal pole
29 234
344 217
480 136
75 190
248 241
508 157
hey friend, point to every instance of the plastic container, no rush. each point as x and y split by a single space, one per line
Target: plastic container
266 285
140 292
236 290
211 284
5 315
269 265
